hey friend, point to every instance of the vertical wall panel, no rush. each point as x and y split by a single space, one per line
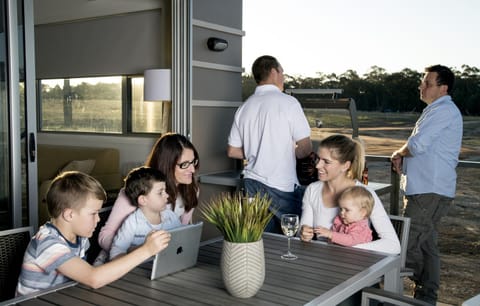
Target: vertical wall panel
216 77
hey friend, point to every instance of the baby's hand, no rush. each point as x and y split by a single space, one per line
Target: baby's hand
323 232
306 233
157 241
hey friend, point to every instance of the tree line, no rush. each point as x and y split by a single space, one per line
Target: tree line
378 90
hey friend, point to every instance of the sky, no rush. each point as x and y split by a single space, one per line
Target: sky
311 36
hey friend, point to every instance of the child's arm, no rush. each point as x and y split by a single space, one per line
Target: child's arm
323 232
356 233
79 270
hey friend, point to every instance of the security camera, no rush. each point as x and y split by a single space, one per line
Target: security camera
217 44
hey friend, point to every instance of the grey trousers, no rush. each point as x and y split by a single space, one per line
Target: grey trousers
425 211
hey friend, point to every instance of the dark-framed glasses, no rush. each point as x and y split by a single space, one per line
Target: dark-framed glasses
186 164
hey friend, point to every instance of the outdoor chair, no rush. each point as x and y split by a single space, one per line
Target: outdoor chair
370 294
13 244
402 228
95 248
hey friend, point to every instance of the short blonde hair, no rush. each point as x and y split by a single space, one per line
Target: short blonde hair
71 189
361 196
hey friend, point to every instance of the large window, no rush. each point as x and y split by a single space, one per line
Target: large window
148 116
111 105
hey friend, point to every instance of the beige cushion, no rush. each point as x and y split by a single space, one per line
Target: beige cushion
85 166
42 203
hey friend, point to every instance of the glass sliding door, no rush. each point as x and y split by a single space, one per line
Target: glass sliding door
5 197
17 112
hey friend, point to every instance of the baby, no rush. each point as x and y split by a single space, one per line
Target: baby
351 226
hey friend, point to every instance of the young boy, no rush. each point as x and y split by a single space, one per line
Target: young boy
351 226
145 188
56 254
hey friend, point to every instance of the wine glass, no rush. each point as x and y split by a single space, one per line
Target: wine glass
289 227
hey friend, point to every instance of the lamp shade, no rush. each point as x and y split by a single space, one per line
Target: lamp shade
157 85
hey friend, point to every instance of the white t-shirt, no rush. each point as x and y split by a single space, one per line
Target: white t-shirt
314 213
268 126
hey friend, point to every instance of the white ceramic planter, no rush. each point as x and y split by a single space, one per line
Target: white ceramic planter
243 268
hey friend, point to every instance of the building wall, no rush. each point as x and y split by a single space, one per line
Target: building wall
216 87
110 45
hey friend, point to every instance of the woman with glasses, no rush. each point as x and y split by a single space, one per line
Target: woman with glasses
176 157
340 163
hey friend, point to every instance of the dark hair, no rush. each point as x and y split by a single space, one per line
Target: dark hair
445 76
361 196
346 149
262 66
71 189
139 181
164 156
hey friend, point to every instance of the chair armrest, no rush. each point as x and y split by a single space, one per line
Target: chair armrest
370 293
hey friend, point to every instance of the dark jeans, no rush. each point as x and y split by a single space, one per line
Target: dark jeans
282 202
425 211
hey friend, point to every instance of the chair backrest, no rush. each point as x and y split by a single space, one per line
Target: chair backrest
13 244
95 248
402 228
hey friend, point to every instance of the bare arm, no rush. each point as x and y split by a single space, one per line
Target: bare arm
304 147
79 270
234 152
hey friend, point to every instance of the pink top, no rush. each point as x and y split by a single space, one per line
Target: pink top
122 208
350 234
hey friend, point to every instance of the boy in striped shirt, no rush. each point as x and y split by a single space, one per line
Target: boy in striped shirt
56 254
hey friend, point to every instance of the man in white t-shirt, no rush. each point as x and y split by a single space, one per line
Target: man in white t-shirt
270 131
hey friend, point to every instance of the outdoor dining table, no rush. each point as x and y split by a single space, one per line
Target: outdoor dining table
323 274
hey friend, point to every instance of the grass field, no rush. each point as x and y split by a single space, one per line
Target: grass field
383 133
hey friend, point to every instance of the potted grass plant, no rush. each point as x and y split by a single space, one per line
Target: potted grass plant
241 221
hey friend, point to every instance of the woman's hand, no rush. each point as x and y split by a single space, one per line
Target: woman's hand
306 233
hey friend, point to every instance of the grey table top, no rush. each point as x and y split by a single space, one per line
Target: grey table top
324 274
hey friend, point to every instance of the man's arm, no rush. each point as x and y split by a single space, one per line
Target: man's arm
397 158
234 152
403 151
304 147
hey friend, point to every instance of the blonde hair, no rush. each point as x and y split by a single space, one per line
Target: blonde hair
71 189
346 149
361 196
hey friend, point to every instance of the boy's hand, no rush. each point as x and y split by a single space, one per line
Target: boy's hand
306 233
157 241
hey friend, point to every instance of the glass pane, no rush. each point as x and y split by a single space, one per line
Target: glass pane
82 105
23 109
148 116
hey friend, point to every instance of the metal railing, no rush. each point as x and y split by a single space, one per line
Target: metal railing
395 179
